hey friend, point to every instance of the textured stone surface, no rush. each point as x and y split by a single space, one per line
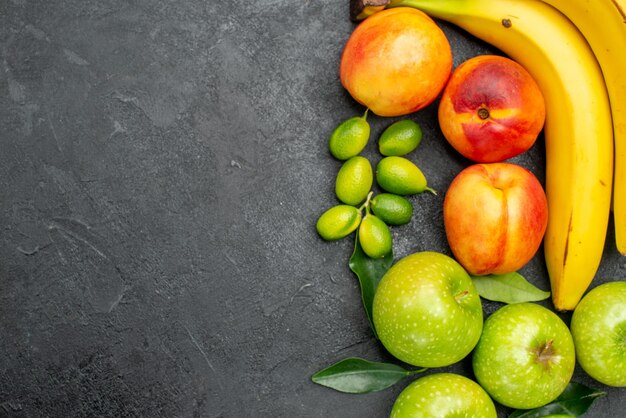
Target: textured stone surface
162 166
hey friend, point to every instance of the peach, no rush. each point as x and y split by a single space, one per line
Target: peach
396 62
491 109
495 216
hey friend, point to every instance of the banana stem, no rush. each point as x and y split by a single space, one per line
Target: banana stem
362 9
419 4
437 9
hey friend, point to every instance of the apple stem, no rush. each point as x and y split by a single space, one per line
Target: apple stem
461 295
545 352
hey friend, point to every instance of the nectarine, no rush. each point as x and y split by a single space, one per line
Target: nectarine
495 216
396 62
491 109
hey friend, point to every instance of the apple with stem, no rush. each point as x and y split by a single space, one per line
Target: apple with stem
427 311
443 395
599 329
525 357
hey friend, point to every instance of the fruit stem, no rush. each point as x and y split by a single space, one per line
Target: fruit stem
364 117
483 113
412 372
366 205
433 191
545 353
461 295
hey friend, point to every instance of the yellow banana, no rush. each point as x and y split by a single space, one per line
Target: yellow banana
578 129
603 24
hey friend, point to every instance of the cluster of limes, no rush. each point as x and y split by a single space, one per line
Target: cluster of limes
395 174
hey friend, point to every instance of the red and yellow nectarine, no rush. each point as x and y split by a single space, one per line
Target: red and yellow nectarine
396 62
495 216
491 109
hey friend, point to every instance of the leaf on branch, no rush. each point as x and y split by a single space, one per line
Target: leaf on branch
369 271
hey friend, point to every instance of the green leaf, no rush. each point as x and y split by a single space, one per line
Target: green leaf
508 288
369 272
574 401
356 375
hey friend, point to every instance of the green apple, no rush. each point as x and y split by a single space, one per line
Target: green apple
525 357
427 311
443 395
599 329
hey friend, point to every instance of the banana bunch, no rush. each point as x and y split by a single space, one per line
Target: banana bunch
576 51
603 24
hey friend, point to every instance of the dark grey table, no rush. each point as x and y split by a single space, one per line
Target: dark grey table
162 166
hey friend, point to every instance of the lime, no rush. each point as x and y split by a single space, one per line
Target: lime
392 209
354 180
400 176
374 237
338 222
350 137
400 138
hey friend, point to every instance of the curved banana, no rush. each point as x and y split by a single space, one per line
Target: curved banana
603 24
578 129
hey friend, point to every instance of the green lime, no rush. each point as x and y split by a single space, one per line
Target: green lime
374 237
400 176
350 137
354 180
400 138
392 209
338 222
